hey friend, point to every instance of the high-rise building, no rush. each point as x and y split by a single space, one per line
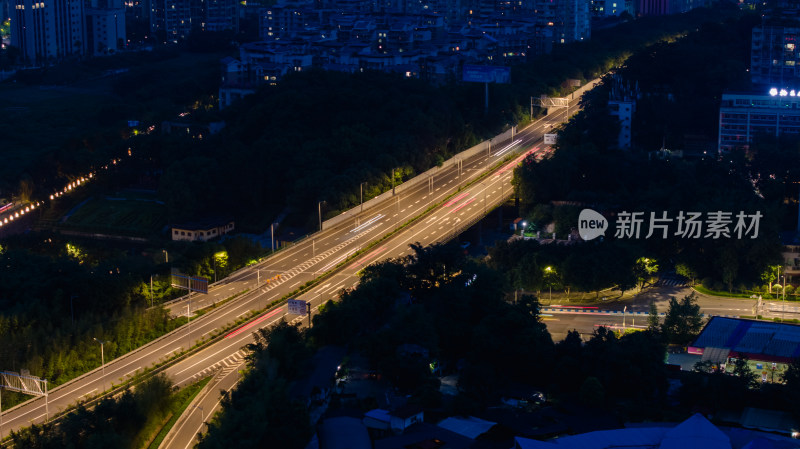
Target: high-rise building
105 30
605 8
663 7
774 56
171 20
48 30
221 15
569 20
105 27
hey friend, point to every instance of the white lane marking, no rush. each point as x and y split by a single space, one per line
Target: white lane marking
87 394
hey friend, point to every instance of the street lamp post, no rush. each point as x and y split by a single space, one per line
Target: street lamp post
783 291
361 189
102 359
531 108
549 271
624 309
522 231
319 211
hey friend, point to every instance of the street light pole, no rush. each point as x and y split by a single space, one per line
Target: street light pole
361 188
624 309
319 211
531 108
102 359
783 290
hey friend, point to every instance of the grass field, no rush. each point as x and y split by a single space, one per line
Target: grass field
121 214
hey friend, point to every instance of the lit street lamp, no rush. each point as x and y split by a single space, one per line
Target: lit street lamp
549 271
522 231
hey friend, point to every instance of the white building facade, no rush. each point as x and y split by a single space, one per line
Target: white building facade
48 30
742 116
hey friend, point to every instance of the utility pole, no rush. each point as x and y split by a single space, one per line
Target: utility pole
308 310
272 233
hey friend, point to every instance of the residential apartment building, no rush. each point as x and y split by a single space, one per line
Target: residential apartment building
48 30
428 39
664 7
221 15
105 28
775 57
742 116
606 8
174 20
568 20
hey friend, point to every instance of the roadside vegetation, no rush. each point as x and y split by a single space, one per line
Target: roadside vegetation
131 420
291 144
461 318
588 171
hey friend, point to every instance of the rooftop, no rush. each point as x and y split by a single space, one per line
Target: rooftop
756 339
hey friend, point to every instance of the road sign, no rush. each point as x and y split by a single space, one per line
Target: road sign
550 139
23 383
486 74
191 283
297 307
